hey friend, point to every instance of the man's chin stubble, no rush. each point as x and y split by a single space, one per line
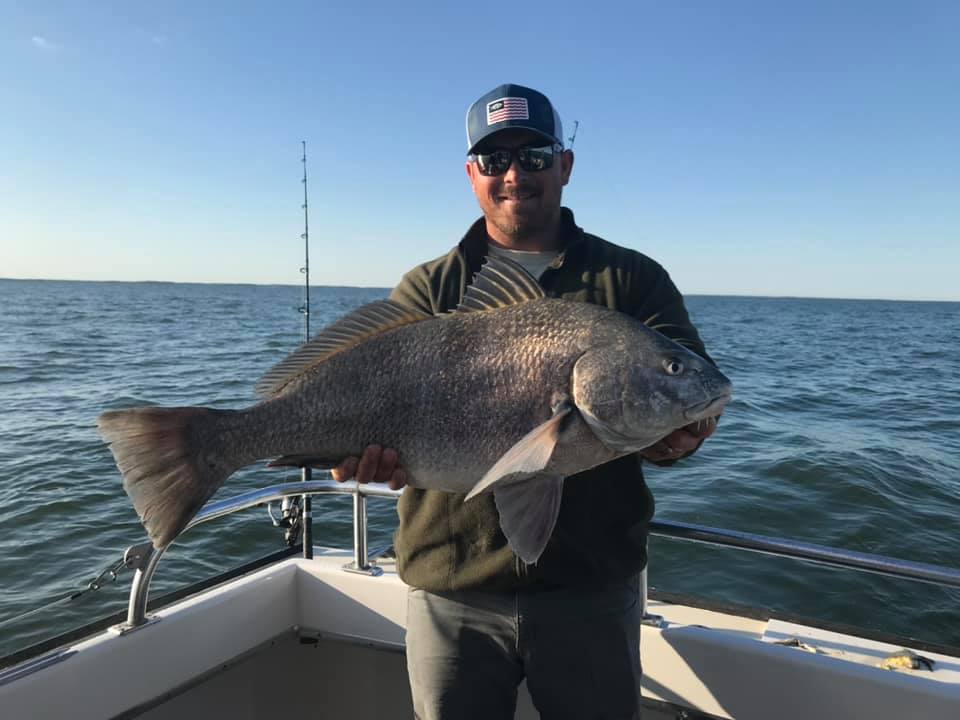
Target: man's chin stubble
520 228
515 231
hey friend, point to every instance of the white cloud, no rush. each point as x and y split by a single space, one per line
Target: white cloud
44 44
159 40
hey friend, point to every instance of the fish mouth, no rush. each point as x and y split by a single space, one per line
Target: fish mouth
709 408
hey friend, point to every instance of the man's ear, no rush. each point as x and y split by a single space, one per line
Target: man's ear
566 166
471 169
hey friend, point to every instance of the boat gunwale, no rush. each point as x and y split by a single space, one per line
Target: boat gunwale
59 644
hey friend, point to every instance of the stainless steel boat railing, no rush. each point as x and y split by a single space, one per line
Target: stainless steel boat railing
144 558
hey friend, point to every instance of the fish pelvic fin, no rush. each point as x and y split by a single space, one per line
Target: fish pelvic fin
350 330
528 513
501 282
166 473
528 456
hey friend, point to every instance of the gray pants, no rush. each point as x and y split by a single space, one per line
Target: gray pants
579 649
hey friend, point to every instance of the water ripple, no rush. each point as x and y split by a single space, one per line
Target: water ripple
844 430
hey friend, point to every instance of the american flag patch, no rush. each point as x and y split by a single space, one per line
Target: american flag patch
507 109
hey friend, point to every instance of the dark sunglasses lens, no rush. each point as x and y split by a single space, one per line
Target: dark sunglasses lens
531 159
494 163
535 159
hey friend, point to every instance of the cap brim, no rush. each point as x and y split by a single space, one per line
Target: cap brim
513 125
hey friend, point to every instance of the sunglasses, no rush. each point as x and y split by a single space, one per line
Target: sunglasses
531 159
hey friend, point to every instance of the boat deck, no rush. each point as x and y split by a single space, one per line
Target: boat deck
323 679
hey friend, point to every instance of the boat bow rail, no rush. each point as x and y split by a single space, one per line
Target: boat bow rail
145 559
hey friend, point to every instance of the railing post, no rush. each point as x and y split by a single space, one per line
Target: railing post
360 531
143 558
361 563
645 617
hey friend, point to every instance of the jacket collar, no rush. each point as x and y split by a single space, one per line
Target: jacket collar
474 243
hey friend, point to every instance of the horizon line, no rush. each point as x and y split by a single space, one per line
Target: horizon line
383 287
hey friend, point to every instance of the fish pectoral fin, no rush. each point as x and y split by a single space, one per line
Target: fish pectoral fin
528 513
528 456
301 461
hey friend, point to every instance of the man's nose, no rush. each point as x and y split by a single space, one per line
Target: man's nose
513 169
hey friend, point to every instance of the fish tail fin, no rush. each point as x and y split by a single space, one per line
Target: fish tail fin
167 473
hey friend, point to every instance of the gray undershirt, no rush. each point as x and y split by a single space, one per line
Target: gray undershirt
533 261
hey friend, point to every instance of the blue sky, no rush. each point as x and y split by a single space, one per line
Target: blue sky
805 148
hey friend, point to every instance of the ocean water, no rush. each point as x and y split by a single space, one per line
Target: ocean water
844 431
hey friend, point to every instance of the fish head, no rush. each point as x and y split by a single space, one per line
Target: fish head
636 391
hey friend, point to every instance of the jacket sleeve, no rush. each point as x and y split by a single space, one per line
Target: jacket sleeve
435 287
414 290
657 303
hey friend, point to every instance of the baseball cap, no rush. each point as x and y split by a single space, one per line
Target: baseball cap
512 106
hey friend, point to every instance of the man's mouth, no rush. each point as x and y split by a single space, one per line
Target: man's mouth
517 197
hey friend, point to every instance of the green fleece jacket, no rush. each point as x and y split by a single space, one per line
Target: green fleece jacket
443 543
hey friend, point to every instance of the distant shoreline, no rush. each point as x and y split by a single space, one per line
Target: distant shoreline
193 282
387 289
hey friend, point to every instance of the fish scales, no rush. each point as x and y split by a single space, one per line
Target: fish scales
509 394
475 383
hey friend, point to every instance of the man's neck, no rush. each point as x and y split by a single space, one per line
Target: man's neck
547 239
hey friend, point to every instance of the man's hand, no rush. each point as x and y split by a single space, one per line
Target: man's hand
377 465
680 443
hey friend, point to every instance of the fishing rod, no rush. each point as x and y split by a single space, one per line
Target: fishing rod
306 519
296 521
305 308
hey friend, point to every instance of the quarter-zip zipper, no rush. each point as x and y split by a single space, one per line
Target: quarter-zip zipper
521 567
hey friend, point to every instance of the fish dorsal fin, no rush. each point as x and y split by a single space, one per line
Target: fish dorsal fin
501 282
350 330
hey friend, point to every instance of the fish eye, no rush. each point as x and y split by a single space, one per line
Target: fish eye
673 366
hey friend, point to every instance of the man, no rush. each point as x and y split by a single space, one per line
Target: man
479 620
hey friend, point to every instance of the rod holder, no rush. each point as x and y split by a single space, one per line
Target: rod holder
306 518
